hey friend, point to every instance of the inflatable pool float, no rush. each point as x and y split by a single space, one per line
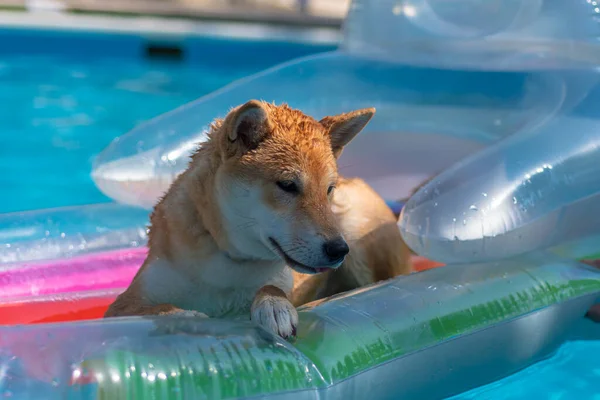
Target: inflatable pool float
435 75
426 66
439 325
514 197
445 317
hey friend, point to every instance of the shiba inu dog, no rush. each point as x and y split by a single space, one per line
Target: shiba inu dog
262 198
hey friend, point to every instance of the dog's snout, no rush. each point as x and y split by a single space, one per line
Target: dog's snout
336 249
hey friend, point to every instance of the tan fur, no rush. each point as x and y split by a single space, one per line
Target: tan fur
219 237
377 251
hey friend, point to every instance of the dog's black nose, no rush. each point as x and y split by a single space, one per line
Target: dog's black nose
336 249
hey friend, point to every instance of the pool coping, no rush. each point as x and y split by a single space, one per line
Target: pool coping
166 27
206 10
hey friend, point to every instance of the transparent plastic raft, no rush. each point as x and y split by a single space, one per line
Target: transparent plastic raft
391 340
460 74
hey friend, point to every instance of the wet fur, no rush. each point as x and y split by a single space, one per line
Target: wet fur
208 248
377 251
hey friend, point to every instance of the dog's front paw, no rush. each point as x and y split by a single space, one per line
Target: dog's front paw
276 314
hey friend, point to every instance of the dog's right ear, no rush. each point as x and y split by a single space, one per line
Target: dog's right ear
249 125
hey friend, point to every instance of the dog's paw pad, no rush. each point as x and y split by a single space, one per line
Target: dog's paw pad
277 315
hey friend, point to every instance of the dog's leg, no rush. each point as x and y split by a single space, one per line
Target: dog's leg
272 310
160 309
128 305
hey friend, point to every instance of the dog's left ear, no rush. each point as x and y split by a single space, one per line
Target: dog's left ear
343 128
249 124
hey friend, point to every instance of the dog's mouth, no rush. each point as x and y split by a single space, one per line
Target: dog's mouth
299 267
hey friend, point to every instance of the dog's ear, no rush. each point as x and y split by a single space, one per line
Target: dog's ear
249 124
343 128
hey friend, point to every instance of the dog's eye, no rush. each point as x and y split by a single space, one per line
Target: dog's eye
330 189
288 186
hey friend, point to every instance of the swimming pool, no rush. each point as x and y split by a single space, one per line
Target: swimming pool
67 94
572 373
61 113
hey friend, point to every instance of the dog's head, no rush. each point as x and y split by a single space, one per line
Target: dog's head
276 180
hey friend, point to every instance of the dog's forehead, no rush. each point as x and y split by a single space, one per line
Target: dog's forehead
290 155
302 136
296 144
293 125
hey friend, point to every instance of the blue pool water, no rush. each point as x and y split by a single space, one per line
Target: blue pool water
572 373
64 98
